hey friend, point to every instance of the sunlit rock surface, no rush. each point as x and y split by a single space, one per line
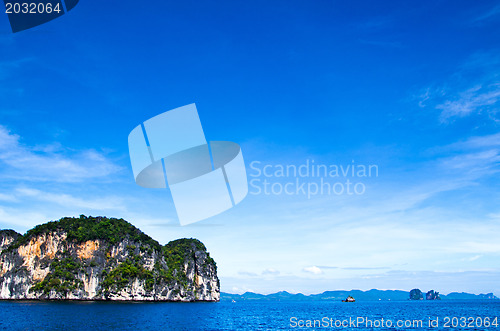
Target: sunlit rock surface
98 258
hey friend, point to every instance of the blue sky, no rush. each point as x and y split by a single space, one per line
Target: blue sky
413 88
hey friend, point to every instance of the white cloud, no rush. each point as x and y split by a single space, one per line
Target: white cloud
472 258
482 247
469 160
102 203
492 140
473 89
241 289
45 164
270 271
313 270
7 197
473 100
422 98
20 220
494 216
247 273
33 207
480 163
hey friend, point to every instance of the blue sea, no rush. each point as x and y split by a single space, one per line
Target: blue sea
256 315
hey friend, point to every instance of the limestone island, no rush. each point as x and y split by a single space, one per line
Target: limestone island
99 258
416 294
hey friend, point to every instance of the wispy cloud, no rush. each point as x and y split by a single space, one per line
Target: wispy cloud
265 272
20 220
477 142
353 268
495 216
23 207
417 218
313 270
248 274
473 158
479 163
477 247
474 89
102 203
490 13
33 163
473 100
270 271
241 289
472 258
7 197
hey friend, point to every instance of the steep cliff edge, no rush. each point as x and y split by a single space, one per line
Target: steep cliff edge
103 258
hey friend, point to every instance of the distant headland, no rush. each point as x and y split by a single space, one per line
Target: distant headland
371 295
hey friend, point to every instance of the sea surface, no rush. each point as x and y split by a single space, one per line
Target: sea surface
245 315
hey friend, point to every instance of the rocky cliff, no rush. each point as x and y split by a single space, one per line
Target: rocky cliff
416 294
102 258
432 295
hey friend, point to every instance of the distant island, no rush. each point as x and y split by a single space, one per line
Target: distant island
339 295
100 258
416 294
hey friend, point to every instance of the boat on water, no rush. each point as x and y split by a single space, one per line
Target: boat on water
349 299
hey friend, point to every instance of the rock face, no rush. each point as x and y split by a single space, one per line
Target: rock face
416 294
7 237
98 258
432 295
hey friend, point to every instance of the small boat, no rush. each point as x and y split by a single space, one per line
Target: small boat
349 299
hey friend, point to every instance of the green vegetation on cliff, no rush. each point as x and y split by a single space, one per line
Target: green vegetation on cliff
126 272
117 272
86 228
175 255
9 233
62 277
416 294
177 251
